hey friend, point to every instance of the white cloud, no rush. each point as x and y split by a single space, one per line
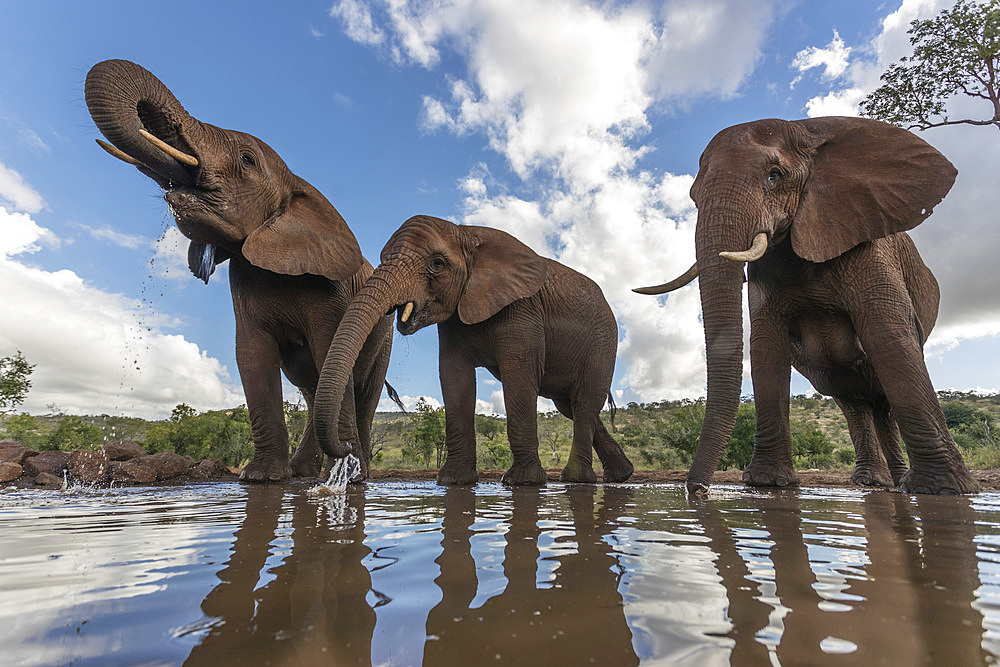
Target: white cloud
385 404
561 89
16 192
170 255
357 22
833 59
96 352
114 237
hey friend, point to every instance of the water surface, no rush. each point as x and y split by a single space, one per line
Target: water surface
408 574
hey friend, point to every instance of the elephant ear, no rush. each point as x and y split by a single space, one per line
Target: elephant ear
869 180
309 236
502 271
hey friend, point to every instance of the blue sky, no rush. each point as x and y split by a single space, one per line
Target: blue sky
575 126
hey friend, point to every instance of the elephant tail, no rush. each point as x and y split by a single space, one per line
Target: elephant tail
614 409
394 397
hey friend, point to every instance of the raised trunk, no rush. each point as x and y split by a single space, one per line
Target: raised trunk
123 98
381 291
721 285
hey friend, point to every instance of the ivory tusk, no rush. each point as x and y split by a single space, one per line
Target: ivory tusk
180 156
115 152
407 311
676 283
755 252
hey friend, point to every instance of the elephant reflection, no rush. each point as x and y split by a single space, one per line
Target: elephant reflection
578 619
314 610
913 603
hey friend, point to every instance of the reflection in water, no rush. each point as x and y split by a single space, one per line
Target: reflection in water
404 574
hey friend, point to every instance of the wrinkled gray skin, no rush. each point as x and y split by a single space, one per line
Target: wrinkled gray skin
539 327
294 265
840 294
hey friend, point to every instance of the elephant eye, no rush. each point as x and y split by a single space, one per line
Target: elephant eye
248 159
437 264
774 175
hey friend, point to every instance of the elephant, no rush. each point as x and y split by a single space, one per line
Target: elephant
539 327
836 289
294 264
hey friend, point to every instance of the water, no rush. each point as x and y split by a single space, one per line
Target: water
404 574
342 471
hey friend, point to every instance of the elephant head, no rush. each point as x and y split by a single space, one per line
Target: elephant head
822 185
229 192
431 271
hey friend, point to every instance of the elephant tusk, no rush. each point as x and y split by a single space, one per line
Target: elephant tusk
121 155
676 283
180 156
407 311
755 252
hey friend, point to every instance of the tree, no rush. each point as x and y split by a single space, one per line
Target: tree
14 382
75 433
427 436
956 52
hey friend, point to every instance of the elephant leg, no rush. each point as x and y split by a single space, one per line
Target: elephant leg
617 467
892 345
307 461
580 465
458 388
347 428
869 468
373 364
521 378
888 436
258 361
771 369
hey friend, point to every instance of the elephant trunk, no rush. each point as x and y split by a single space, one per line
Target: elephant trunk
721 285
124 98
381 292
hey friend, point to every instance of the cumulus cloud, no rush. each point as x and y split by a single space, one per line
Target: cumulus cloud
385 404
357 21
832 58
561 90
16 192
95 351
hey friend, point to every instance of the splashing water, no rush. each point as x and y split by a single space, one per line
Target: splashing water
341 473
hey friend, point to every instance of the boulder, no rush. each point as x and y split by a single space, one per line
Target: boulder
89 467
167 464
131 472
209 469
12 452
123 450
9 471
51 462
49 480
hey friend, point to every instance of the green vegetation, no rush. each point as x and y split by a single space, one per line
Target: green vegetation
955 53
14 380
660 435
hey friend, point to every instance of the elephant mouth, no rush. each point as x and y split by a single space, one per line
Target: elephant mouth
407 317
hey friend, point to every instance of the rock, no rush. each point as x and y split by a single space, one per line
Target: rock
209 469
132 472
48 479
123 450
9 471
89 467
13 452
167 464
51 462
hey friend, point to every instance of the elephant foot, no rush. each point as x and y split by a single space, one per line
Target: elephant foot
768 474
618 471
265 469
949 483
578 471
897 474
870 476
457 474
525 474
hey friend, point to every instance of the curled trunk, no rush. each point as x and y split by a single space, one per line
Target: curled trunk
381 292
721 285
124 98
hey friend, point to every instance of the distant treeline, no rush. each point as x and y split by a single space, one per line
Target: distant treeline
660 435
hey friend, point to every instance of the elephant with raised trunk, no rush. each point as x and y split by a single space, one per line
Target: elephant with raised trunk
836 289
294 264
539 327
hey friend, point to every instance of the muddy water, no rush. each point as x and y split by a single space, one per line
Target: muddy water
404 574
